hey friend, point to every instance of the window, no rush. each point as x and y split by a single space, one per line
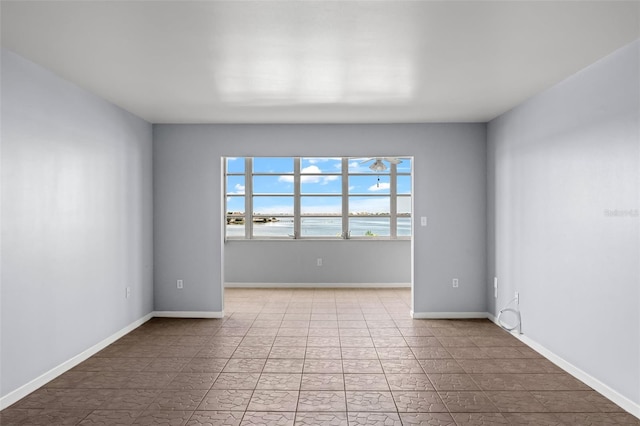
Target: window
235 189
320 197
317 197
272 196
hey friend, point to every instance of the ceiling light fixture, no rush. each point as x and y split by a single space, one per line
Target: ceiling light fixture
378 166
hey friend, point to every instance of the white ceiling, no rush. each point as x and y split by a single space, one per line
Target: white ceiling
385 61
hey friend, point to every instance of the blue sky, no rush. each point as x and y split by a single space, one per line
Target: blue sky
320 176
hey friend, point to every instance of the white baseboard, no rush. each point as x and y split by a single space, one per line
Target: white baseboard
188 314
22 391
618 399
448 315
316 285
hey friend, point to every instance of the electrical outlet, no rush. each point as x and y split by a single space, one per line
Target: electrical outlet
180 284
423 221
127 293
319 261
495 287
517 297
455 283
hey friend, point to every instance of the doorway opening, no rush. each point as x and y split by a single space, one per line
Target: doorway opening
318 222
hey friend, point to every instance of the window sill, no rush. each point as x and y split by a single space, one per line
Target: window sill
315 239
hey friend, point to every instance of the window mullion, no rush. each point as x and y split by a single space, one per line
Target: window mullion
296 198
345 197
226 197
248 197
393 202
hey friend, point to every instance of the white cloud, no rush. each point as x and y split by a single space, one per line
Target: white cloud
239 189
311 169
305 178
380 186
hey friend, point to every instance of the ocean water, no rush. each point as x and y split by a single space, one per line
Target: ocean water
325 227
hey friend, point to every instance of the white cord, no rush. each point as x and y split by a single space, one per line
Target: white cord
515 311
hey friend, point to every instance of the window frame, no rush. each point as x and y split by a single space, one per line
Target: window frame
297 196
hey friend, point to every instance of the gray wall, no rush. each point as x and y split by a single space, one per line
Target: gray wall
76 221
343 262
557 163
449 188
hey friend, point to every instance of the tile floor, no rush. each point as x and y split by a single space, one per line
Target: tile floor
316 357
